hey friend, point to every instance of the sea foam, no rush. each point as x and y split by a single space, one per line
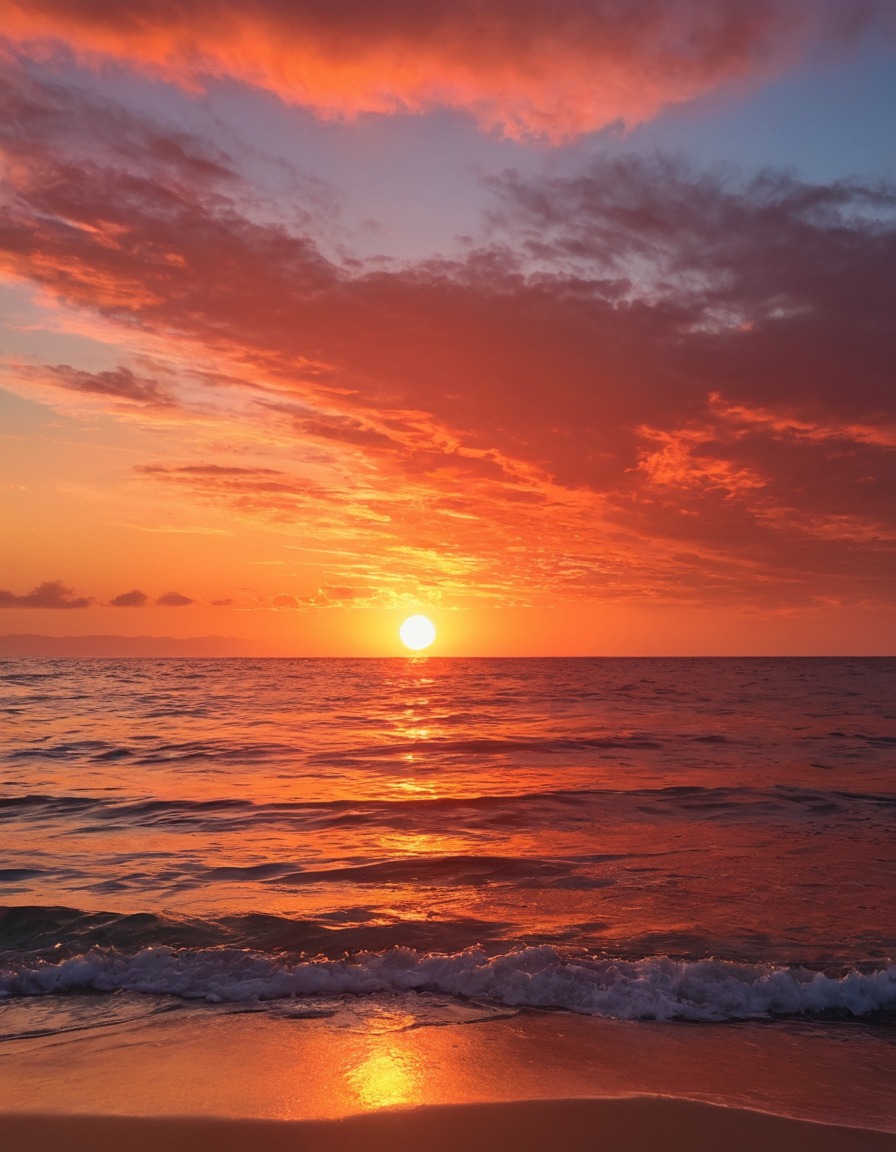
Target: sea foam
654 988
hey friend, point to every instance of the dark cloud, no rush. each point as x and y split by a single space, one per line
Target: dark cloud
346 430
745 271
52 594
173 600
133 599
85 127
120 383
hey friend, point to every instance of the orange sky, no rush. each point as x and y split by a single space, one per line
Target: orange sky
319 316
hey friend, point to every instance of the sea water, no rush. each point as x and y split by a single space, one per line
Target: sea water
641 839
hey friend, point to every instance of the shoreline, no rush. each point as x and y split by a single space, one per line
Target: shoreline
630 1124
380 1058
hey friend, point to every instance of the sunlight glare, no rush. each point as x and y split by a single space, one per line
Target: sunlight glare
417 632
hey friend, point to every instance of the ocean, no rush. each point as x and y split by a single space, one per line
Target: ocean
654 841
697 839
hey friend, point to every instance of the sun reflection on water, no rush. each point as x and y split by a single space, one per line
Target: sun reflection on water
414 789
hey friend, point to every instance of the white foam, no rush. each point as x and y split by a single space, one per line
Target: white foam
655 988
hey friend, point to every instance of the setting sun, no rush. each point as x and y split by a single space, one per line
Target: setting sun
417 632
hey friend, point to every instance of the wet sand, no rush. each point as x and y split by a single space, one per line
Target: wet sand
203 1078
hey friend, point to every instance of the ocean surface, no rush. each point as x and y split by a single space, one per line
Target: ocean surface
645 839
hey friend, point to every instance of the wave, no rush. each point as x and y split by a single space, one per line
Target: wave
98 751
59 933
450 871
653 988
491 746
561 805
151 751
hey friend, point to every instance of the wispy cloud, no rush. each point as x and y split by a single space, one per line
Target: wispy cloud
121 384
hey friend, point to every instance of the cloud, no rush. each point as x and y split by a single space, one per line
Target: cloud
284 600
133 599
247 489
340 596
334 596
51 594
645 364
684 459
173 600
521 67
120 383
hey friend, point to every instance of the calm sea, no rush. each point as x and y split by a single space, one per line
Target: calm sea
699 839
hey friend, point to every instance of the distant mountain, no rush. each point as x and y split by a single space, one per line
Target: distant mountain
25 644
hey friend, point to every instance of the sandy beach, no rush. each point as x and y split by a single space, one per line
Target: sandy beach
202 1078
630 1125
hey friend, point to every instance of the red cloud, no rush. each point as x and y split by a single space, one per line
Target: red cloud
523 67
653 365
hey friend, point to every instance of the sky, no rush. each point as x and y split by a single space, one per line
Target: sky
568 323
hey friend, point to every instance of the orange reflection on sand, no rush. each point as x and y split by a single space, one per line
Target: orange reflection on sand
390 1075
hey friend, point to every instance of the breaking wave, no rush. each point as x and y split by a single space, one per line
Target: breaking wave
654 988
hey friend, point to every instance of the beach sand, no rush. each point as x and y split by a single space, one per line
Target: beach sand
371 1078
631 1125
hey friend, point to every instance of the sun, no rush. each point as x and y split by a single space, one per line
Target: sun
417 632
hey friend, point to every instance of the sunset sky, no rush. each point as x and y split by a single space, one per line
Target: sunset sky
568 323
